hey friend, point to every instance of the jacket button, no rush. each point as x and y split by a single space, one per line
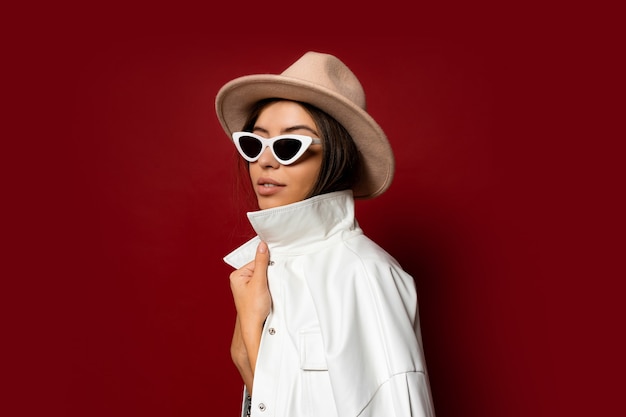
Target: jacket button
262 407
271 263
271 331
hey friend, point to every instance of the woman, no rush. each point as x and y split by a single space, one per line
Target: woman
327 321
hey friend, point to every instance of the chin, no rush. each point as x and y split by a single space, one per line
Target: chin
264 204
272 202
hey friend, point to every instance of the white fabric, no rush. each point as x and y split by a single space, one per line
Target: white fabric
342 338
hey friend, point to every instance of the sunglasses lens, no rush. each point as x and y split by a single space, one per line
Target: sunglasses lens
285 149
250 146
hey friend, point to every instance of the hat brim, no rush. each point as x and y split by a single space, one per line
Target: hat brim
235 100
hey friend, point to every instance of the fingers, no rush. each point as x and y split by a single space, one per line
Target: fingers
253 271
249 285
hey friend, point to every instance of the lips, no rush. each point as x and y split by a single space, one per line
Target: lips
268 182
268 186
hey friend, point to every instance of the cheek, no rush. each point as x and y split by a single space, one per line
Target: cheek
308 177
313 176
252 168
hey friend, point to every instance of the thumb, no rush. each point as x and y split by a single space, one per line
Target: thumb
261 260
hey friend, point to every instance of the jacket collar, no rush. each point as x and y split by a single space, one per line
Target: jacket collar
298 227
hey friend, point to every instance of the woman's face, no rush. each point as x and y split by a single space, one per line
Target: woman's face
275 184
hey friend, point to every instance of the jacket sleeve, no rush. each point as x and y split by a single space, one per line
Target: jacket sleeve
367 310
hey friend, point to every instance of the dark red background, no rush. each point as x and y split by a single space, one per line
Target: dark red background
121 202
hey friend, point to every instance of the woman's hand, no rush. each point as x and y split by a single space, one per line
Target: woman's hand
252 301
250 291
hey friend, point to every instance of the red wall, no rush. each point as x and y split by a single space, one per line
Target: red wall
125 204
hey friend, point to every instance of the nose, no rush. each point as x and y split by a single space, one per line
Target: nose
267 160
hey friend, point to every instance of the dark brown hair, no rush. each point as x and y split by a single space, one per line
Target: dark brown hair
340 161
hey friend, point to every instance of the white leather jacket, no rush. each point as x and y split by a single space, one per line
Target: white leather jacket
343 337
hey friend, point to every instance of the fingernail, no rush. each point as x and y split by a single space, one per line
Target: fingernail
262 247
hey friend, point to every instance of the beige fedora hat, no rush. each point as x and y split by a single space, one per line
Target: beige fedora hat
328 84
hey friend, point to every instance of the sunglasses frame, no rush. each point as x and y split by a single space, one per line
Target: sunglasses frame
306 141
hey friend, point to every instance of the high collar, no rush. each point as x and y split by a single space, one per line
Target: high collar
298 227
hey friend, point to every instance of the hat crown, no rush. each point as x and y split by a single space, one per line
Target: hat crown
329 72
